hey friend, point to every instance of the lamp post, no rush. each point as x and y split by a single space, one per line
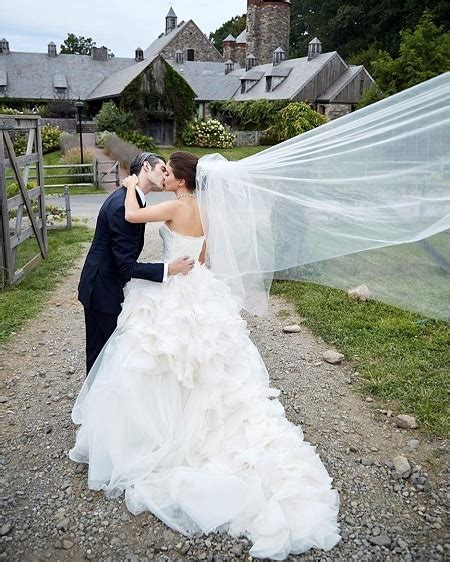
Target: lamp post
79 105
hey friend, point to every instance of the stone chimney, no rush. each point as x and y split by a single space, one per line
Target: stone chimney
99 53
279 55
229 48
314 48
138 55
229 66
4 47
51 49
171 21
179 57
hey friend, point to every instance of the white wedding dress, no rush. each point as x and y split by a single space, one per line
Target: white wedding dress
177 412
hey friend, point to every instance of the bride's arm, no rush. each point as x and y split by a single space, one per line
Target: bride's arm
155 213
202 256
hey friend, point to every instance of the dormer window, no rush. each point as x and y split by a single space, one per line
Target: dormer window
60 84
250 62
276 76
3 81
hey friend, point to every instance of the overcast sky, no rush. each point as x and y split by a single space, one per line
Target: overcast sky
29 25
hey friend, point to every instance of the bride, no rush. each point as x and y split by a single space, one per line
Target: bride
178 413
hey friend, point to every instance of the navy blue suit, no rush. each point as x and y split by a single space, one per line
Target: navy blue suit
110 264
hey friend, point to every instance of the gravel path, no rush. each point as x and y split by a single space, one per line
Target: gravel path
48 513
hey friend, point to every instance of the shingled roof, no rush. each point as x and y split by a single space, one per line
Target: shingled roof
208 79
298 73
35 75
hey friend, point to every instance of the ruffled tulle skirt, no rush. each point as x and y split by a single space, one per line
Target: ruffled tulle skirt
177 412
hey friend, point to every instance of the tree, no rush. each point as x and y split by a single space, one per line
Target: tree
78 45
235 26
74 45
424 53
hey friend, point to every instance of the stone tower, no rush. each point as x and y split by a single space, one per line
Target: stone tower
268 24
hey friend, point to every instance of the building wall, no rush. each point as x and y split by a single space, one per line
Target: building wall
354 89
267 28
334 110
328 74
192 38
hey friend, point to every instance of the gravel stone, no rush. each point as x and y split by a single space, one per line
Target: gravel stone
48 506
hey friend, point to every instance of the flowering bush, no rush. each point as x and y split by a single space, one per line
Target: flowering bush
208 134
9 111
51 137
100 138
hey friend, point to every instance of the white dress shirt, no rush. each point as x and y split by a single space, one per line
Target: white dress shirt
144 203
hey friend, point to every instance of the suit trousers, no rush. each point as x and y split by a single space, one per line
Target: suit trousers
99 328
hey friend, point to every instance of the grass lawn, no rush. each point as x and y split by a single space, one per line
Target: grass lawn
24 301
403 358
229 153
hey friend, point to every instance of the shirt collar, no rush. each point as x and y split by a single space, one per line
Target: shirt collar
141 194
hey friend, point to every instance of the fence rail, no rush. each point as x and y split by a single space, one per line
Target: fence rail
96 173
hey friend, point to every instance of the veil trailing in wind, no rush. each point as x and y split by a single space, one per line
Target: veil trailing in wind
364 199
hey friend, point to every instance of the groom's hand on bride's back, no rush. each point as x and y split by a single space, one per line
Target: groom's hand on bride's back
183 266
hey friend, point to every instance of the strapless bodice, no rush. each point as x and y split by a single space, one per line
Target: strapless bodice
176 245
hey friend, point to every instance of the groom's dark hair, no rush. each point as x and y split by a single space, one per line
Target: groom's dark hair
138 162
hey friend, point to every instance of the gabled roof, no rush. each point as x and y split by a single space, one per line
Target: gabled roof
114 84
163 40
208 79
337 87
30 75
300 72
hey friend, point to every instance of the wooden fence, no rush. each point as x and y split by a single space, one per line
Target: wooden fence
30 201
97 173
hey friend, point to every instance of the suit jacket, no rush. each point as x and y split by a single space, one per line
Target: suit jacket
112 258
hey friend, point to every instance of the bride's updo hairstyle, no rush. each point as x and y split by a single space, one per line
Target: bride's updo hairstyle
184 166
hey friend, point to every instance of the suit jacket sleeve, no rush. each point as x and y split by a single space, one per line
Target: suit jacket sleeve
125 248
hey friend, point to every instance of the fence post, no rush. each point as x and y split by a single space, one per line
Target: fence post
95 173
117 173
68 209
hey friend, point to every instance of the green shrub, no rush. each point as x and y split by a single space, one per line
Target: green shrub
143 142
208 134
111 118
295 119
251 115
372 95
13 188
73 156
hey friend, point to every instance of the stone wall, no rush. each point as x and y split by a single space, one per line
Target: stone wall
334 110
192 38
247 138
267 29
67 125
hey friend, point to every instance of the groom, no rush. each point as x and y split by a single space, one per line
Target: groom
112 258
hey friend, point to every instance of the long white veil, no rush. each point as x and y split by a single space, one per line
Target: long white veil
364 199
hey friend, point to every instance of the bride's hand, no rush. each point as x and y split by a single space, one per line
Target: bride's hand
130 181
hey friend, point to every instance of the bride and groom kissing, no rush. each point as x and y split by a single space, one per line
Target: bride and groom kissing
177 411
